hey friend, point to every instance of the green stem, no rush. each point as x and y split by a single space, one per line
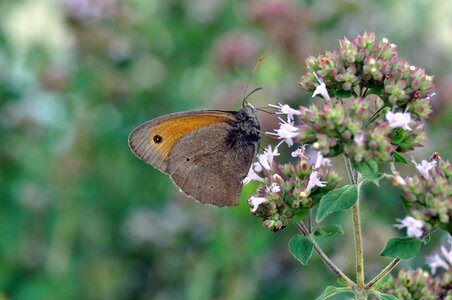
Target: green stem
304 230
359 254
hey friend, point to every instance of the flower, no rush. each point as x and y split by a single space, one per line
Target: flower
255 202
299 152
321 161
435 261
252 176
286 110
286 131
413 226
442 259
359 139
424 167
396 178
314 180
321 89
273 188
266 158
398 120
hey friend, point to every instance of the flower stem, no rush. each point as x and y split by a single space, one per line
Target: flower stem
304 230
383 273
359 255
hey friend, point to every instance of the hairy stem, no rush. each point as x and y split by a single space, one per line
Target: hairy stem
359 254
304 230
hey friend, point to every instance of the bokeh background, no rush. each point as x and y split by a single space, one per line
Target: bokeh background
82 218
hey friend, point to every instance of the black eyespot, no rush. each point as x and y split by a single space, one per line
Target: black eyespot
187 159
157 139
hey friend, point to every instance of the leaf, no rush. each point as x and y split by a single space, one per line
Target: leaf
331 291
301 248
337 200
343 94
399 157
383 296
374 91
369 170
397 136
328 231
403 248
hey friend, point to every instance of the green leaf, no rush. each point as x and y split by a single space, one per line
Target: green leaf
382 282
369 170
343 94
403 248
331 291
301 248
383 296
397 135
300 215
374 91
328 231
399 157
337 200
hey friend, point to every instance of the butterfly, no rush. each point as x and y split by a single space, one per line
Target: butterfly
207 153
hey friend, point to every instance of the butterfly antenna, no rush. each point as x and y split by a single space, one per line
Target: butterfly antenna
258 63
252 92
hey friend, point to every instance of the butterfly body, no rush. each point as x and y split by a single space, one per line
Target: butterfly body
206 153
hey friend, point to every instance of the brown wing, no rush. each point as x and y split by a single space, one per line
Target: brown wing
191 147
153 140
206 168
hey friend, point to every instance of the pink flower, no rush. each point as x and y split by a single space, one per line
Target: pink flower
286 110
424 167
252 176
321 89
321 161
314 181
398 120
443 259
286 131
266 158
413 226
255 202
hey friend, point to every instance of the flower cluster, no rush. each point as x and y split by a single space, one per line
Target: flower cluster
428 194
419 284
288 190
377 101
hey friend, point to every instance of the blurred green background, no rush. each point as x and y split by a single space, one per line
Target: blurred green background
82 218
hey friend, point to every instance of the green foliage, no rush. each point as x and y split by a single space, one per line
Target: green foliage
329 230
330 291
403 248
301 248
337 200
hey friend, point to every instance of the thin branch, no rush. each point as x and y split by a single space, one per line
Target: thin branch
304 230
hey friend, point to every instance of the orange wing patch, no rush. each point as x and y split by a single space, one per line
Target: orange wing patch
167 133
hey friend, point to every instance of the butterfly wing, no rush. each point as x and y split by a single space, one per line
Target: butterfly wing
192 148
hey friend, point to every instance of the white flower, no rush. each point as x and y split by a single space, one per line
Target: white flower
435 261
321 161
424 167
273 188
255 202
413 226
398 120
266 158
321 89
314 180
286 131
299 152
442 259
252 176
286 110
359 139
